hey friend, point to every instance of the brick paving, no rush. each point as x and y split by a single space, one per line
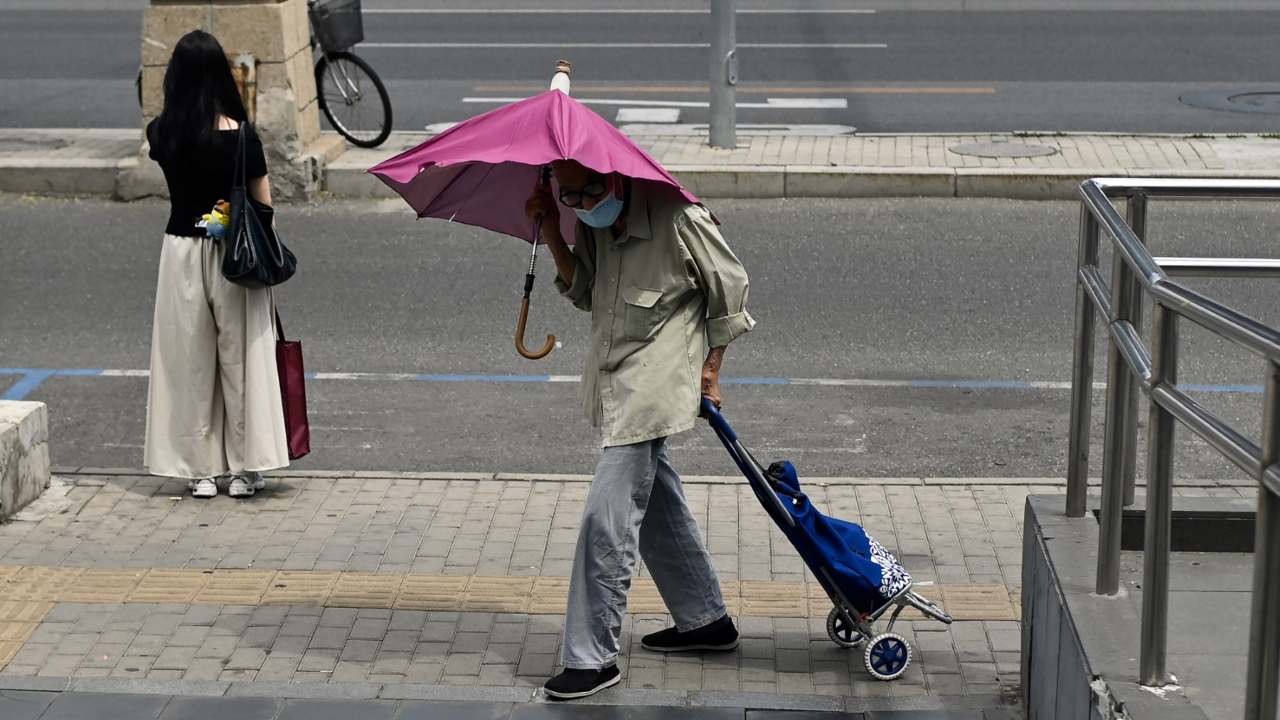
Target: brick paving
1130 154
406 582
1071 151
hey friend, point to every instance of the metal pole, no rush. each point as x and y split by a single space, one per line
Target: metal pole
724 73
1082 373
1137 217
1261 702
1159 516
1119 378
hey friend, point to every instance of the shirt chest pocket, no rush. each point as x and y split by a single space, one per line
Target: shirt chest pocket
642 318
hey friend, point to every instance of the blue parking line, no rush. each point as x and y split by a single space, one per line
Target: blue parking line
32 378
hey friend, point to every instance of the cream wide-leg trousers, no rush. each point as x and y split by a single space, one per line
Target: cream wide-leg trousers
213 404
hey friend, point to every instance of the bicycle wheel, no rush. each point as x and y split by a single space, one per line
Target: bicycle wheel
354 99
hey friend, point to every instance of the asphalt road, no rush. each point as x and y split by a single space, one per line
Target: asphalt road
932 69
953 293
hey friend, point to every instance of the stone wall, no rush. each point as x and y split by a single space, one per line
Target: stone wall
276 33
24 454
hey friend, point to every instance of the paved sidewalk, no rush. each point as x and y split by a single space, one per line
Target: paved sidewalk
336 586
800 163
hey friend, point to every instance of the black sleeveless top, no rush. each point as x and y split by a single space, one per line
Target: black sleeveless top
198 179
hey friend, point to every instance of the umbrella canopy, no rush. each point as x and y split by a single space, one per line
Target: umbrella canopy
481 172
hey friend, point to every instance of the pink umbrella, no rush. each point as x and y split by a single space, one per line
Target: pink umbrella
481 172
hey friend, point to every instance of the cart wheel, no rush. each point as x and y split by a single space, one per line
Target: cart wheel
887 656
841 631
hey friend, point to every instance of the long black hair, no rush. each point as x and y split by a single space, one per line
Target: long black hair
198 87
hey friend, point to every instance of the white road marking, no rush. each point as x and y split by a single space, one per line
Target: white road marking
648 115
808 103
771 103
614 46
607 11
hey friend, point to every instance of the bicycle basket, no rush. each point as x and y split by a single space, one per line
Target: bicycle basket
338 24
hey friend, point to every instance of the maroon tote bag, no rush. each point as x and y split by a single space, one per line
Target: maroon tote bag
293 393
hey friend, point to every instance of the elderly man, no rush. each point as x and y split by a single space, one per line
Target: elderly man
660 284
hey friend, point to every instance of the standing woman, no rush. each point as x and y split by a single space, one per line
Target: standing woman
213 408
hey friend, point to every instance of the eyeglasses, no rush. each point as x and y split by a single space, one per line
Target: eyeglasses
573 197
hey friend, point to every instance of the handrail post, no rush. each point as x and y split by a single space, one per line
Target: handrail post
1264 643
1159 510
1119 378
1082 373
1136 214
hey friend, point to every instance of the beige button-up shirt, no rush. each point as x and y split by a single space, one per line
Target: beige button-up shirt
656 295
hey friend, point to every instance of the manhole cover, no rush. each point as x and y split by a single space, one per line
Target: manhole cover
30 145
1260 101
1003 150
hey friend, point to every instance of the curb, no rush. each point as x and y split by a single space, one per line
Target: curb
503 694
348 180
820 481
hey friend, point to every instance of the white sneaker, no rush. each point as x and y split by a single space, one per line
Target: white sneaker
204 488
258 481
241 487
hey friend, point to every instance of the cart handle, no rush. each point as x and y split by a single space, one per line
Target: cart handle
746 463
712 414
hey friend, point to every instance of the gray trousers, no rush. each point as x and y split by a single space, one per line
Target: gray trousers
635 504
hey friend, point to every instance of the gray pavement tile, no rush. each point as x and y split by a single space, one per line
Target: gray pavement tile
300 624
336 710
246 658
24 704
338 617
330 638
426 710
201 615
105 706
369 629
360 650
189 635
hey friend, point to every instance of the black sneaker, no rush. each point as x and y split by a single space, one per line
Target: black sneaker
719 635
572 683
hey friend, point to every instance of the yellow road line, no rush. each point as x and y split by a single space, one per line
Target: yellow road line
27 592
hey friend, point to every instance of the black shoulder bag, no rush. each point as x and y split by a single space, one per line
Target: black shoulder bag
254 256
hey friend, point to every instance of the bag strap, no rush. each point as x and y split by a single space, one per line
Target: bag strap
275 312
241 152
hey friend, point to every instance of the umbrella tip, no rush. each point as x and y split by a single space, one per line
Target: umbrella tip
560 81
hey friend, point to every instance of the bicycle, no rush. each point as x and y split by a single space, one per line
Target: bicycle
345 83
342 76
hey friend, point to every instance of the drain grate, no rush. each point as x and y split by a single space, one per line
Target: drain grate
1266 102
1003 150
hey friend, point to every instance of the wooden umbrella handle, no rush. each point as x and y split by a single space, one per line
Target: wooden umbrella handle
520 348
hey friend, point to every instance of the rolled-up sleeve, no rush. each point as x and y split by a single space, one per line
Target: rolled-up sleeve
721 275
584 273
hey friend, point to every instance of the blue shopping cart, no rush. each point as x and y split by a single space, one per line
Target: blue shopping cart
862 578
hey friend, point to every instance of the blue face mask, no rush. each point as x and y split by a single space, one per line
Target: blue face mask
604 214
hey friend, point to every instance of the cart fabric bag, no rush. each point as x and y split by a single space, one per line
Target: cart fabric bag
862 569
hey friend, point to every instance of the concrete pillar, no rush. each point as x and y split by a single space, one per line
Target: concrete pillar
274 35
24 454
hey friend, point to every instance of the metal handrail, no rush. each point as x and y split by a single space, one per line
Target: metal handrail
1131 368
